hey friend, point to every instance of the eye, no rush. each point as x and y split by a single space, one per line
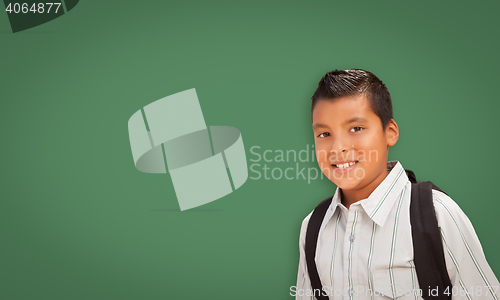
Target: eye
323 134
356 129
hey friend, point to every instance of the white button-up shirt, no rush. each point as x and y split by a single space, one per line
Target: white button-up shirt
366 251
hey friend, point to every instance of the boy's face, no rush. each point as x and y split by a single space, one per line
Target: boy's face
351 146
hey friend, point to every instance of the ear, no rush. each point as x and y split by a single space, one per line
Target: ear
392 133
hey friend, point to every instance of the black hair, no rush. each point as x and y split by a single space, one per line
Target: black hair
342 83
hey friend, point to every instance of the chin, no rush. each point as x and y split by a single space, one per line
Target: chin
347 185
343 183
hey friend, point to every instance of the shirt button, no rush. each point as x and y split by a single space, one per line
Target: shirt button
351 238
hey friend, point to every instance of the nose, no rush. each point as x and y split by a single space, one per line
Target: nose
339 145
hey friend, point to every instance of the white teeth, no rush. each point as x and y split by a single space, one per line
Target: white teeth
343 166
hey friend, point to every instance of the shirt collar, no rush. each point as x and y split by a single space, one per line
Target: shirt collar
378 205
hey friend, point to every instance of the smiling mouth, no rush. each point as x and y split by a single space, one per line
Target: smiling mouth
346 165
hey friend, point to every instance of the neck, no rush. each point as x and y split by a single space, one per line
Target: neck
349 197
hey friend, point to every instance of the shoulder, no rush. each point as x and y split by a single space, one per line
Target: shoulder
448 213
456 228
326 205
446 208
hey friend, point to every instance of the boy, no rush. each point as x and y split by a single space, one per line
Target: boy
364 248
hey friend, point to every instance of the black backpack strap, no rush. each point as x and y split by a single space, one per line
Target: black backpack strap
428 251
411 176
310 246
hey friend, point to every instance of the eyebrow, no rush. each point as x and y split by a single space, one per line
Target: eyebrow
355 119
319 125
352 120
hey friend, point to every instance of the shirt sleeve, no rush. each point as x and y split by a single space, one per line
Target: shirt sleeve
303 288
470 274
